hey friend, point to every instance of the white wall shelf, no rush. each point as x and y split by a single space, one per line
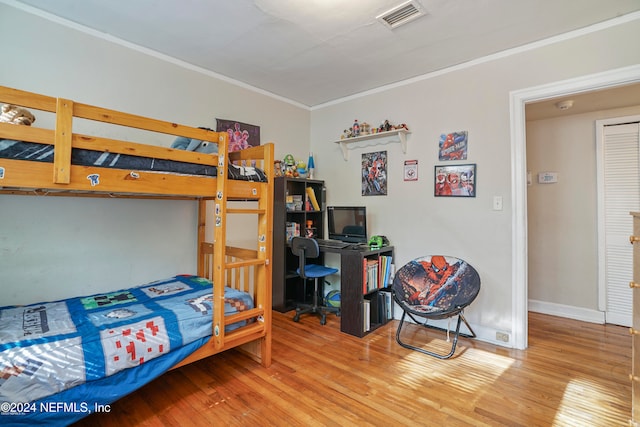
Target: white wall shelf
397 135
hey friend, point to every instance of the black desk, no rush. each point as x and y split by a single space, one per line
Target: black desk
351 286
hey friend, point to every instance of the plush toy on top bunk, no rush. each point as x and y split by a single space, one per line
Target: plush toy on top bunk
188 144
16 115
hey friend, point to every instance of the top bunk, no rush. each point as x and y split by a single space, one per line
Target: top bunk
85 150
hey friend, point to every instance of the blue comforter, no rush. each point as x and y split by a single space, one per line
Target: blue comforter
60 361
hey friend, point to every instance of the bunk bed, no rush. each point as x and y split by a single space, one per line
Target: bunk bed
232 285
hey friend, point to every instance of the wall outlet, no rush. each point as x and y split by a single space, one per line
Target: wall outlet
502 336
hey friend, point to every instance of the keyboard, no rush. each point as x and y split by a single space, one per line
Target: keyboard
337 244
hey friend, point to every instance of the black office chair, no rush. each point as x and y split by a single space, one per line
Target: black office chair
306 248
435 287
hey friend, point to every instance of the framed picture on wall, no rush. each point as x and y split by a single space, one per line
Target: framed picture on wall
241 135
374 174
410 170
455 181
453 146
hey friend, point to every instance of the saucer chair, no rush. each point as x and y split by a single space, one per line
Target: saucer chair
435 287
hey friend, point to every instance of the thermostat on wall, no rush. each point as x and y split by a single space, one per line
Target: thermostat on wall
547 177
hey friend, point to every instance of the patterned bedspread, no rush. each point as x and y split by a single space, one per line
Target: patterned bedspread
79 350
21 150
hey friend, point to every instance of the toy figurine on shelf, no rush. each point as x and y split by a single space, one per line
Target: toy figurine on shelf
365 128
290 169
301 168
356 128
277 168
310 229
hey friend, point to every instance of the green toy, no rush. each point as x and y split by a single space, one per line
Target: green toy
376 242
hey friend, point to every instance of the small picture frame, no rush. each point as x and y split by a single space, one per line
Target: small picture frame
455 181
410 170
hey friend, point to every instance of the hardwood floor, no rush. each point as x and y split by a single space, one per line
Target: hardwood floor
572 374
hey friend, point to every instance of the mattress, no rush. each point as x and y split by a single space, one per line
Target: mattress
21 150
84 353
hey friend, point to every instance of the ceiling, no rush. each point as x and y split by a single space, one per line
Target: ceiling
606 99
312 52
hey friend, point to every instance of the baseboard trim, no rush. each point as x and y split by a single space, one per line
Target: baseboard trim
568 311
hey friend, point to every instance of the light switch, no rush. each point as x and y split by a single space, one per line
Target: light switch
497 203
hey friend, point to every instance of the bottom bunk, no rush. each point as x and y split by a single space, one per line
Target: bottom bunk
62 360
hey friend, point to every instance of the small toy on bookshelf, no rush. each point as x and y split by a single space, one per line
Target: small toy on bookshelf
310 230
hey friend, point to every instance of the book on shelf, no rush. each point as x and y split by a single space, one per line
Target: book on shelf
377 309
385 271
292 230
366 315
311 195
370 272
388 304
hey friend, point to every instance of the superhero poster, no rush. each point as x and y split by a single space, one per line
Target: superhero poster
455 181
374 174
453 146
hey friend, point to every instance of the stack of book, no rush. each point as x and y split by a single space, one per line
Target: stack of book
386 270
377 308
377 273
292 230
370 275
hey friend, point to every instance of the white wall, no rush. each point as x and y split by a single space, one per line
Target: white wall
562 217
473 98
52 248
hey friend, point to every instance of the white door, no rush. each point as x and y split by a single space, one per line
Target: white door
618 195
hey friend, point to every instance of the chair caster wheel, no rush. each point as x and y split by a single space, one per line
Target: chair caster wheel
296 318
323 321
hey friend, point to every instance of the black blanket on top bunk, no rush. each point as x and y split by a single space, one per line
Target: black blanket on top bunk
21 150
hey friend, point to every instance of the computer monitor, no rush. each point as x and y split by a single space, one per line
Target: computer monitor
347 223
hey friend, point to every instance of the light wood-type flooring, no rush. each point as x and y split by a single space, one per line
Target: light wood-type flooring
572 374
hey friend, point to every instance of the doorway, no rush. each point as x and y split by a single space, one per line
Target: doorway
518 100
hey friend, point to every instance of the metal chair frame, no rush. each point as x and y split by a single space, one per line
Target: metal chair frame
415 275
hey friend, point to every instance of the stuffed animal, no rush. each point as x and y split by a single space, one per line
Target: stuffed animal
189 144
16 115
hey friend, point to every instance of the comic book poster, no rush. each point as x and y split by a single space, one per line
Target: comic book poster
374 174
453 146
455 181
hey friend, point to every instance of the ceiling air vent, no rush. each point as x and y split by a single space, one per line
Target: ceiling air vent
402 14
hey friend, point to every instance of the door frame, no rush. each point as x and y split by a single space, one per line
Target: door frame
517 100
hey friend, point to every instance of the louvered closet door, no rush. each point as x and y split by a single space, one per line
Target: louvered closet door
621 196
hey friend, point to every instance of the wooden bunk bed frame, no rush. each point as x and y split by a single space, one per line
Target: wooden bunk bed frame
245 269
